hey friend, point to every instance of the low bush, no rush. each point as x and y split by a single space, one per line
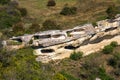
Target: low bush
114 44
107 49
51 3
50 25
76 55
68 11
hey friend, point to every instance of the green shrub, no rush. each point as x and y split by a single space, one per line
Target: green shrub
50 25
107 49
76 56
68 11
51 3
114 44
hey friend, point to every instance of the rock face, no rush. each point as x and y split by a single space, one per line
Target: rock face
61 52
58 44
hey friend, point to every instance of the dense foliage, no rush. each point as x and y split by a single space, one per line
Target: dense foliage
21 65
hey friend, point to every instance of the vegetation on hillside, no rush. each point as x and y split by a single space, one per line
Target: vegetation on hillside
21 65
30 18
64 14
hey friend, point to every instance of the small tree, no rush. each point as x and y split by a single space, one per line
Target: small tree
76 56
107 49
51 3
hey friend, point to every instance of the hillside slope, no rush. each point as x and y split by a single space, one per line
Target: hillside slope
88 11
